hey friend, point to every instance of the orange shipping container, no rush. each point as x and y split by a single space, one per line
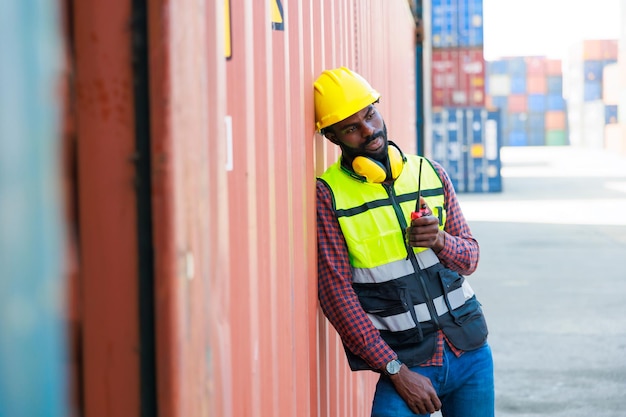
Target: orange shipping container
536 84
555 120
599 49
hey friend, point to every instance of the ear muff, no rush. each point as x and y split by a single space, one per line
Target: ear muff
374 171
396 161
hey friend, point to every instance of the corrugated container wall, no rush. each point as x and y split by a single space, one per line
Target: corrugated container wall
288 360
239 330
196 157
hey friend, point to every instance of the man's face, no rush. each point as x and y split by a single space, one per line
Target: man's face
364 133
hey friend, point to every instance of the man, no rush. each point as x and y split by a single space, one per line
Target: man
390 271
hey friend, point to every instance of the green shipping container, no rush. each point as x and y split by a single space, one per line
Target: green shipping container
556 138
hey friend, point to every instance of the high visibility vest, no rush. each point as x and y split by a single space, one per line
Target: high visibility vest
406 292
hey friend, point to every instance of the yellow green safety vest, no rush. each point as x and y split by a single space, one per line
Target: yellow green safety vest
406 292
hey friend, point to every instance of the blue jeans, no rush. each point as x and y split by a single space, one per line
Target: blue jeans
464 386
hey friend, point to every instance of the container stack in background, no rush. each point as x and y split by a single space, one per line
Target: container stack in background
590 101
548 102
465 134
529 93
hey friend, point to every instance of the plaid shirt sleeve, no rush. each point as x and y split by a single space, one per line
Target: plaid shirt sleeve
461 250
336 295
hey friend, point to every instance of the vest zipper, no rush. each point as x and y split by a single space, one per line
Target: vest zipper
418 271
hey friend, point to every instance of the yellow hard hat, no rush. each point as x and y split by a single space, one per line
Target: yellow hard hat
339 93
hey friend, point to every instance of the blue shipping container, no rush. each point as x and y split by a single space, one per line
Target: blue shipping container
457 23
444 23
470 24
518 84
592 90
536 137
500 102
497 67
517 67
610 114
536 102
555 102
554 84
515 121
537 121
467 142
517 138
593 70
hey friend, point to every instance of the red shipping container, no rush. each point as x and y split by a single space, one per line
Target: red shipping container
518 103
458 77
535 65
536 84
554 67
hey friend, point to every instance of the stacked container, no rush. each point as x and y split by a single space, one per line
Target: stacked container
458 67
467 143
465 135
583 90
528 91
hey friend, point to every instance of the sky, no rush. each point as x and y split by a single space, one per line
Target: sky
546 27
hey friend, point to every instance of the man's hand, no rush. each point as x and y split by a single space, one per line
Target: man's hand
416 390
424 231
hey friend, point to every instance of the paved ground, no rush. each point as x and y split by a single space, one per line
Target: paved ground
552 281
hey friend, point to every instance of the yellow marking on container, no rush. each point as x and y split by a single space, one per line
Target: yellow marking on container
477 150
227 37
278 22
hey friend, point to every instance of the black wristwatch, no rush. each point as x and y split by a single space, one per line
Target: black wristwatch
393 367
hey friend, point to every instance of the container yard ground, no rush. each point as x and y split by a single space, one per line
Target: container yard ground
552 281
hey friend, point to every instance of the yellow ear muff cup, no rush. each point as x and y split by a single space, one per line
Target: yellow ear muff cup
396 162
372 170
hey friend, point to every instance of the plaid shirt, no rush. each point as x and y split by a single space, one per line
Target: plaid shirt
339 301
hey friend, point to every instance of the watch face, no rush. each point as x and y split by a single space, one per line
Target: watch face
393 367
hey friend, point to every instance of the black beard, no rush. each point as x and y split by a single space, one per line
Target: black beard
381 156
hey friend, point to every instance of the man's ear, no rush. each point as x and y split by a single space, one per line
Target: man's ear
331 137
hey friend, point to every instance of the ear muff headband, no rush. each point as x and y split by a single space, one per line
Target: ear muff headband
374 171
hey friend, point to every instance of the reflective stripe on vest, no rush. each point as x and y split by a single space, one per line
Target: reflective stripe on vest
393 270
404 321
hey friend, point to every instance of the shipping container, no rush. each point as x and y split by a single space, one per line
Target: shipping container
555 120
526 88
554 67
610 114
195 170
518 103
556 138
536 84
36 316
444 21
500 84
516 138
457 23
536 65
470 23
554 85
458 77
615 138
611 83
467 142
